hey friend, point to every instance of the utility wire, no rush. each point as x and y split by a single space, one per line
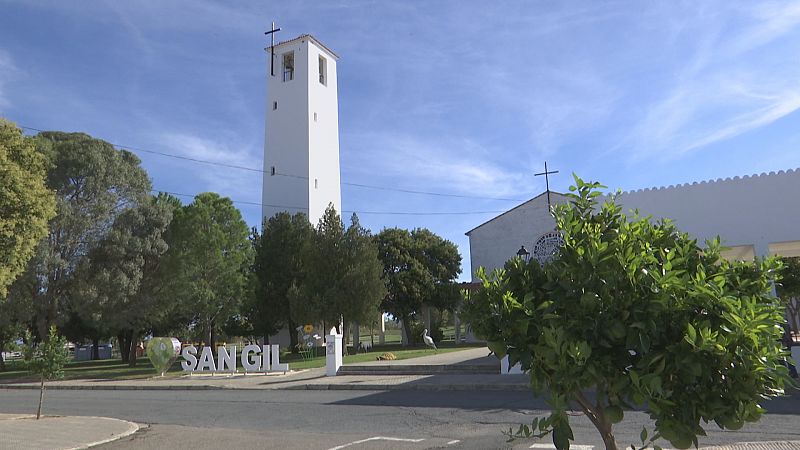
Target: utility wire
392 213
250 169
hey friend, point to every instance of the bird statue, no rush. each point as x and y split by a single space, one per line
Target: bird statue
428 340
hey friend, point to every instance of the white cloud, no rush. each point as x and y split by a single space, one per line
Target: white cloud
8 71
449 165
725 88
230 182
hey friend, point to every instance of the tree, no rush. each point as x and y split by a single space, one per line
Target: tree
15 315
213 255
277 267
123 280
343 274
361 275
47 360
26 204
93 183
416 265
638 312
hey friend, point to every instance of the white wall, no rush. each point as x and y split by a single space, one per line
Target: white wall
753 214
323 137
497 241
751 210
294 143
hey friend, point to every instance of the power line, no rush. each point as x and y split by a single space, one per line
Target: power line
390 213
250 169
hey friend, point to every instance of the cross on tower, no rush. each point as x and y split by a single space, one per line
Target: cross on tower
547 181
271 34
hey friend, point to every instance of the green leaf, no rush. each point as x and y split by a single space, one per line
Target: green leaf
691 334
498 348
643 435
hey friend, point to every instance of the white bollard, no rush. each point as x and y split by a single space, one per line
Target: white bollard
515 370
333 353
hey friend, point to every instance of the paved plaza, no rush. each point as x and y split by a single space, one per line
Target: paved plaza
308 410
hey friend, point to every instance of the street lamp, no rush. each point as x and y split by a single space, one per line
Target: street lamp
523 253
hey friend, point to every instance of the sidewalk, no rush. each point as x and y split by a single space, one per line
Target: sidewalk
22 431
315 379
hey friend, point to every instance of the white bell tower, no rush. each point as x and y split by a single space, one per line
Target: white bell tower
301 146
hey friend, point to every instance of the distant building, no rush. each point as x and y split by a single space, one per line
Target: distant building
754 215
301 145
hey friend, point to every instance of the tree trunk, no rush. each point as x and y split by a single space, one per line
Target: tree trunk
407 328
372 335
2 360
210 337
124 347
293 336
356 336
95 349
41 399
41 326
133 348
457 328
266 338
598 419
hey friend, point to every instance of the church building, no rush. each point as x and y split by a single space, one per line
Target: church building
753 215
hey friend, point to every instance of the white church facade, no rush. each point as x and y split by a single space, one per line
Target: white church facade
301 144
753 215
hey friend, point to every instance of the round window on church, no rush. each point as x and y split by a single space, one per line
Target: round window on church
546 246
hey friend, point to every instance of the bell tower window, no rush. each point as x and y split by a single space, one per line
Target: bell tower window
288 66
323 70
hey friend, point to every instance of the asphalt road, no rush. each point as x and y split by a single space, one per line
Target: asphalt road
350 419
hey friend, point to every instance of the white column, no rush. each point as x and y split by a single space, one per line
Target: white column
382 336
333 353
504 370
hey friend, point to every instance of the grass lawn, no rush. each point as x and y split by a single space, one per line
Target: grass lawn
106 369
114 369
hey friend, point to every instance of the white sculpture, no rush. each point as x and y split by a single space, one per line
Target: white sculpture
428 340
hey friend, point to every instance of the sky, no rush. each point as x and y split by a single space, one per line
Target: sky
466 98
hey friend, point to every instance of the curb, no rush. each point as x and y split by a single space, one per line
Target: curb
132 428
117 388
413 387
298 387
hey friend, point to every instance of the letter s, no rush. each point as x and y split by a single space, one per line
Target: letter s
189 360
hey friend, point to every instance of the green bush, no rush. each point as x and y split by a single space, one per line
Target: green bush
638 312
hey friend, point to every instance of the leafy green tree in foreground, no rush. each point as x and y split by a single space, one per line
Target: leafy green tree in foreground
212 254
47 360
639 313
26 204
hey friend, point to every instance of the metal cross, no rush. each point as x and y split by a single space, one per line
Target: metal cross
271 34
547 181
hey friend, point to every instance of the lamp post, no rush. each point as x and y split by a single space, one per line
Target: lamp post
524 253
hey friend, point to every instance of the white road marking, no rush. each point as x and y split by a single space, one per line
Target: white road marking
454 441
571 446
376 438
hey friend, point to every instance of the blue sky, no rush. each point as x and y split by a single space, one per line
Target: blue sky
458 97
